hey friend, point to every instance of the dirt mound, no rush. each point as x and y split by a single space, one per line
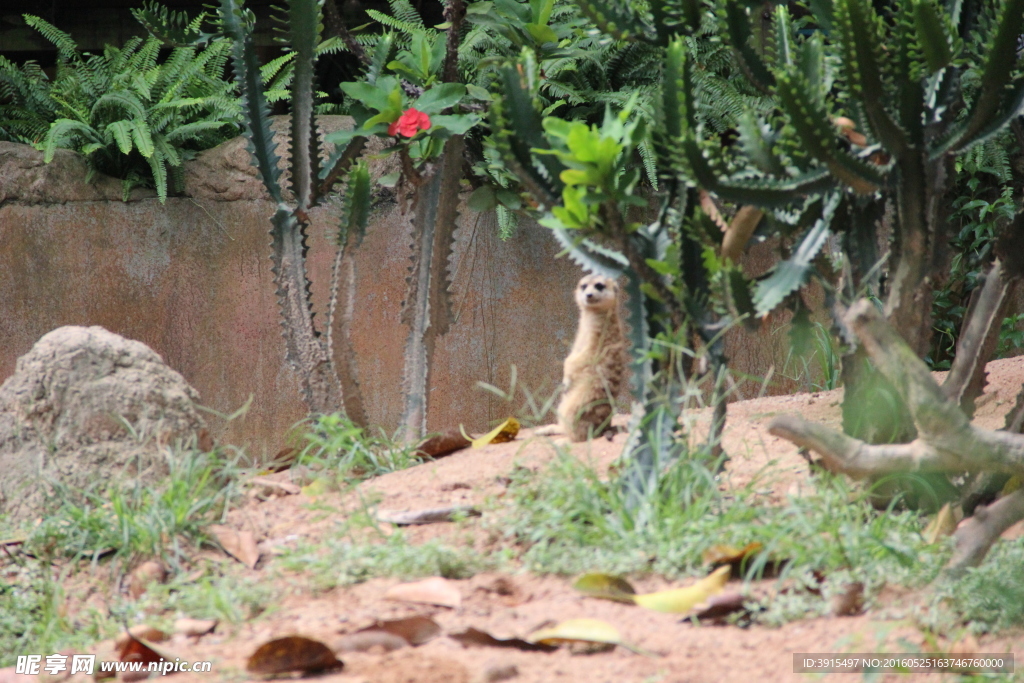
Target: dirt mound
82 402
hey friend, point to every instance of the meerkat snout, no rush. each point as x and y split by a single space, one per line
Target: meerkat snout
597 293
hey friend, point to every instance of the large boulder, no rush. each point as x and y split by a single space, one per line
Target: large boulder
84 405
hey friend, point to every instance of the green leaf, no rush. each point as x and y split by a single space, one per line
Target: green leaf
121 131
791 273
482 199
372 96
440 97
541 33
458 124
389 179
478 93
509 199
541 11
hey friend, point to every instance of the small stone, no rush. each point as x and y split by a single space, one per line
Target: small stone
498 671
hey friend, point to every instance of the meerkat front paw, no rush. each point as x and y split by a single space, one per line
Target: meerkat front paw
548 430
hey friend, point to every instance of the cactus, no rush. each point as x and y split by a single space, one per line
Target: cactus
325 362
307 350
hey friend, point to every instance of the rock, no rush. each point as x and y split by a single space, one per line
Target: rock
26 178
226 174
86 404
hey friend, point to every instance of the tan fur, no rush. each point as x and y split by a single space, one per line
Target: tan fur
596 367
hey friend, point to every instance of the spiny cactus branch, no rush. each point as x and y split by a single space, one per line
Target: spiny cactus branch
304 33
427 309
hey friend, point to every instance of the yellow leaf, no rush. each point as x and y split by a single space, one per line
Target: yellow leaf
317 487
506 431
943 525
682 600
1012 484
582 630
586 630
605 586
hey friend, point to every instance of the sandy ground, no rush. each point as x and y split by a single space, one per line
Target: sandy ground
514 604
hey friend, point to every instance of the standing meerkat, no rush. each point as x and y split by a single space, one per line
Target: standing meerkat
596 367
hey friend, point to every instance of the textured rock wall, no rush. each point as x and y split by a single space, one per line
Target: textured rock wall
191 279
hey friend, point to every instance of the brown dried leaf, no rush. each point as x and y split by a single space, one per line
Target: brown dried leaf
720 606
740 558
428 516
240 545
205 441
135 646
145 574
850 602
292 653
378 642
943 524
433 591
280 487
442 444
139 632
414 630
194 627
472 636
284 459
727 554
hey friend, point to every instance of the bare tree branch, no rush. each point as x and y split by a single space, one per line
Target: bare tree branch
947 442
976 535
979 338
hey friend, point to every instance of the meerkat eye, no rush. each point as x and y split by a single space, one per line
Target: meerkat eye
599 287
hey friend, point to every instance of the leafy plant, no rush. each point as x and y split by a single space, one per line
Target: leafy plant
411 102
132 520
335 445
130 114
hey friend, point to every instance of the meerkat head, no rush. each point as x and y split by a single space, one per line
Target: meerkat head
597 293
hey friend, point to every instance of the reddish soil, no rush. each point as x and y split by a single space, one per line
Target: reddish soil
514 604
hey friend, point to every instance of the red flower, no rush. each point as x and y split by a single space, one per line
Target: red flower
409 123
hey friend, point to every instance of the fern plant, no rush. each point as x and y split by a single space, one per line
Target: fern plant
130 114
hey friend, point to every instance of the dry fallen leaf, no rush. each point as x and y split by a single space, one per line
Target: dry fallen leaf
682 600
292 653
472 636
143 576
720 606
416 630
442 444
138 644
284 459
850 602
428 516
194 627
606 586
504 432
139 632
583 631
273 486
377 642
240 545
433 591
943 524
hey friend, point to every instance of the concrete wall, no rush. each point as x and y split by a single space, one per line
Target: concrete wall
191 278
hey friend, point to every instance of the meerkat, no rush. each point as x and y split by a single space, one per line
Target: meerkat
596 367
